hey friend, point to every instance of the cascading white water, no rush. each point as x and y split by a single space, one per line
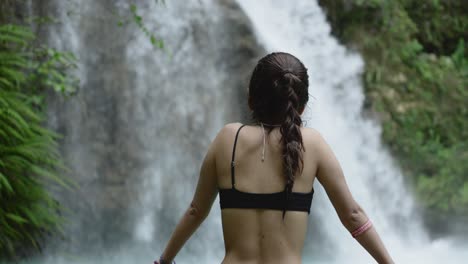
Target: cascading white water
300 28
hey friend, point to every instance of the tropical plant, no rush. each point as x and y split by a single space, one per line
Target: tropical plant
29 160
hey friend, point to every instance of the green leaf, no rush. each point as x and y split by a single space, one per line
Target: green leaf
133 8
16 218
5 183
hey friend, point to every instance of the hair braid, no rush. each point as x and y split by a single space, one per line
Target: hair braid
291 136
278 92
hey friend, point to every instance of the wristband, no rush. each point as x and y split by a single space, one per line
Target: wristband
162 261
359 231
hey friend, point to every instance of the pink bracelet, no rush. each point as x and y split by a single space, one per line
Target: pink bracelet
359 231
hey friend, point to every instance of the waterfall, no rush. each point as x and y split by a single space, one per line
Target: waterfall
135 134
336 112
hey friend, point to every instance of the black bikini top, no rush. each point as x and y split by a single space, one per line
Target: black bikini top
233 198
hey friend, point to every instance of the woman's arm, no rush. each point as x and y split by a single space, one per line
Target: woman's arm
352 216
199 208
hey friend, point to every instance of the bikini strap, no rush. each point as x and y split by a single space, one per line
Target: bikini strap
233 179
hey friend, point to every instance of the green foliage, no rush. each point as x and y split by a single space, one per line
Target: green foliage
416 76
460 59
29 160
138 21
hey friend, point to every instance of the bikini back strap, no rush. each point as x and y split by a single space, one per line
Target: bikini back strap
233 179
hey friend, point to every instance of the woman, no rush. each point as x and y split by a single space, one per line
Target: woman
265 172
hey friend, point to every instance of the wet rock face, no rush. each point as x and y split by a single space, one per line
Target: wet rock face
143 117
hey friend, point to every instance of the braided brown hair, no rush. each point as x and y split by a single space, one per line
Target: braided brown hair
278 93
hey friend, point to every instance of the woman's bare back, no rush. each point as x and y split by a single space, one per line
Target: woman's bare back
277 94
261 235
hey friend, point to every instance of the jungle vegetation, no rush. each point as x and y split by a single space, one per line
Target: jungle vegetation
416 79
29 158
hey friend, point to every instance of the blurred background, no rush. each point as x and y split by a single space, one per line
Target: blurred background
108 107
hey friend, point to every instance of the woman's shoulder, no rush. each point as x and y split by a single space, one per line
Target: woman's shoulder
229 129
312 137
310 132
227 132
